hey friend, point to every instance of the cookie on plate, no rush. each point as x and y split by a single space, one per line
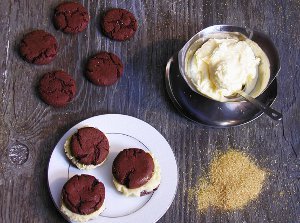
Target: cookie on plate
38 47
88 148
82 198
57 88
135 172
71 17
119 24
104 69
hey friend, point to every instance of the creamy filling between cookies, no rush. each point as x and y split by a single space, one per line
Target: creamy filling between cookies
221 67
67 147
152 184
78 217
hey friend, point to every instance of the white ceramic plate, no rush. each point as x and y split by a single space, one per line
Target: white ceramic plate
122 132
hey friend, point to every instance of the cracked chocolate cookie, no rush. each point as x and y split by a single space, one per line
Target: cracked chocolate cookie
57 88
104 69
119 24
135 172
71 17
82 198
38 47
88 148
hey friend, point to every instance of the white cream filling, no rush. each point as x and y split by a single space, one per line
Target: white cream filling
148 187
78 217
81 166
220 67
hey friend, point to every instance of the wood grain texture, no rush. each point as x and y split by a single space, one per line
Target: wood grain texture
164 26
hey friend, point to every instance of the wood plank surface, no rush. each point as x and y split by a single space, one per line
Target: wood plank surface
32 129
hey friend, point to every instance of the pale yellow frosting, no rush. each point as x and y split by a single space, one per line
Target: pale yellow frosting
78 217
220 67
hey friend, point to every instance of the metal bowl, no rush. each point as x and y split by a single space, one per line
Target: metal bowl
263 41
206 111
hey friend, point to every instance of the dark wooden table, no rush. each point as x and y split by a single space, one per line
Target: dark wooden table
27 123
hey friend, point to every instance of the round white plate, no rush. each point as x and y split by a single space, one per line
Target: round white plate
122 132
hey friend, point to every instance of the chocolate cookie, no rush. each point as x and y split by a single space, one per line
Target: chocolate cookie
104 69
133 168
83 194
71 17
57 88
119 24
38 47
89 146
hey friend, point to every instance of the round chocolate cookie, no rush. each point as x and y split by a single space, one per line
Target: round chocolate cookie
83 194
133 168
71 17
38 47
119 24
89 146
57 88
104 69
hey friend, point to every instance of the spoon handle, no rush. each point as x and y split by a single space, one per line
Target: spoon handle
267 110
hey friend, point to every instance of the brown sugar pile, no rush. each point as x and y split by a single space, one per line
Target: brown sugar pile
233 181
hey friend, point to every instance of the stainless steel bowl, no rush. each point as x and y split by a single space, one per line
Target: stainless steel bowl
209 112
264 42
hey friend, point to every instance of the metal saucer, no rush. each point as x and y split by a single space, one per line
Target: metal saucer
209 112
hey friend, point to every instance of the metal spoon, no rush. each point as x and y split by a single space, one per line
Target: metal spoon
275 115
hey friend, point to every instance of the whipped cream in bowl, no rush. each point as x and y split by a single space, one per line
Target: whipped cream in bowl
217 64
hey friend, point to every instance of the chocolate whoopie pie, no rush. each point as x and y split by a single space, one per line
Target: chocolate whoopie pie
119 24
38 47
57 88
87 148
104 69
71 17
133 169
82 197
